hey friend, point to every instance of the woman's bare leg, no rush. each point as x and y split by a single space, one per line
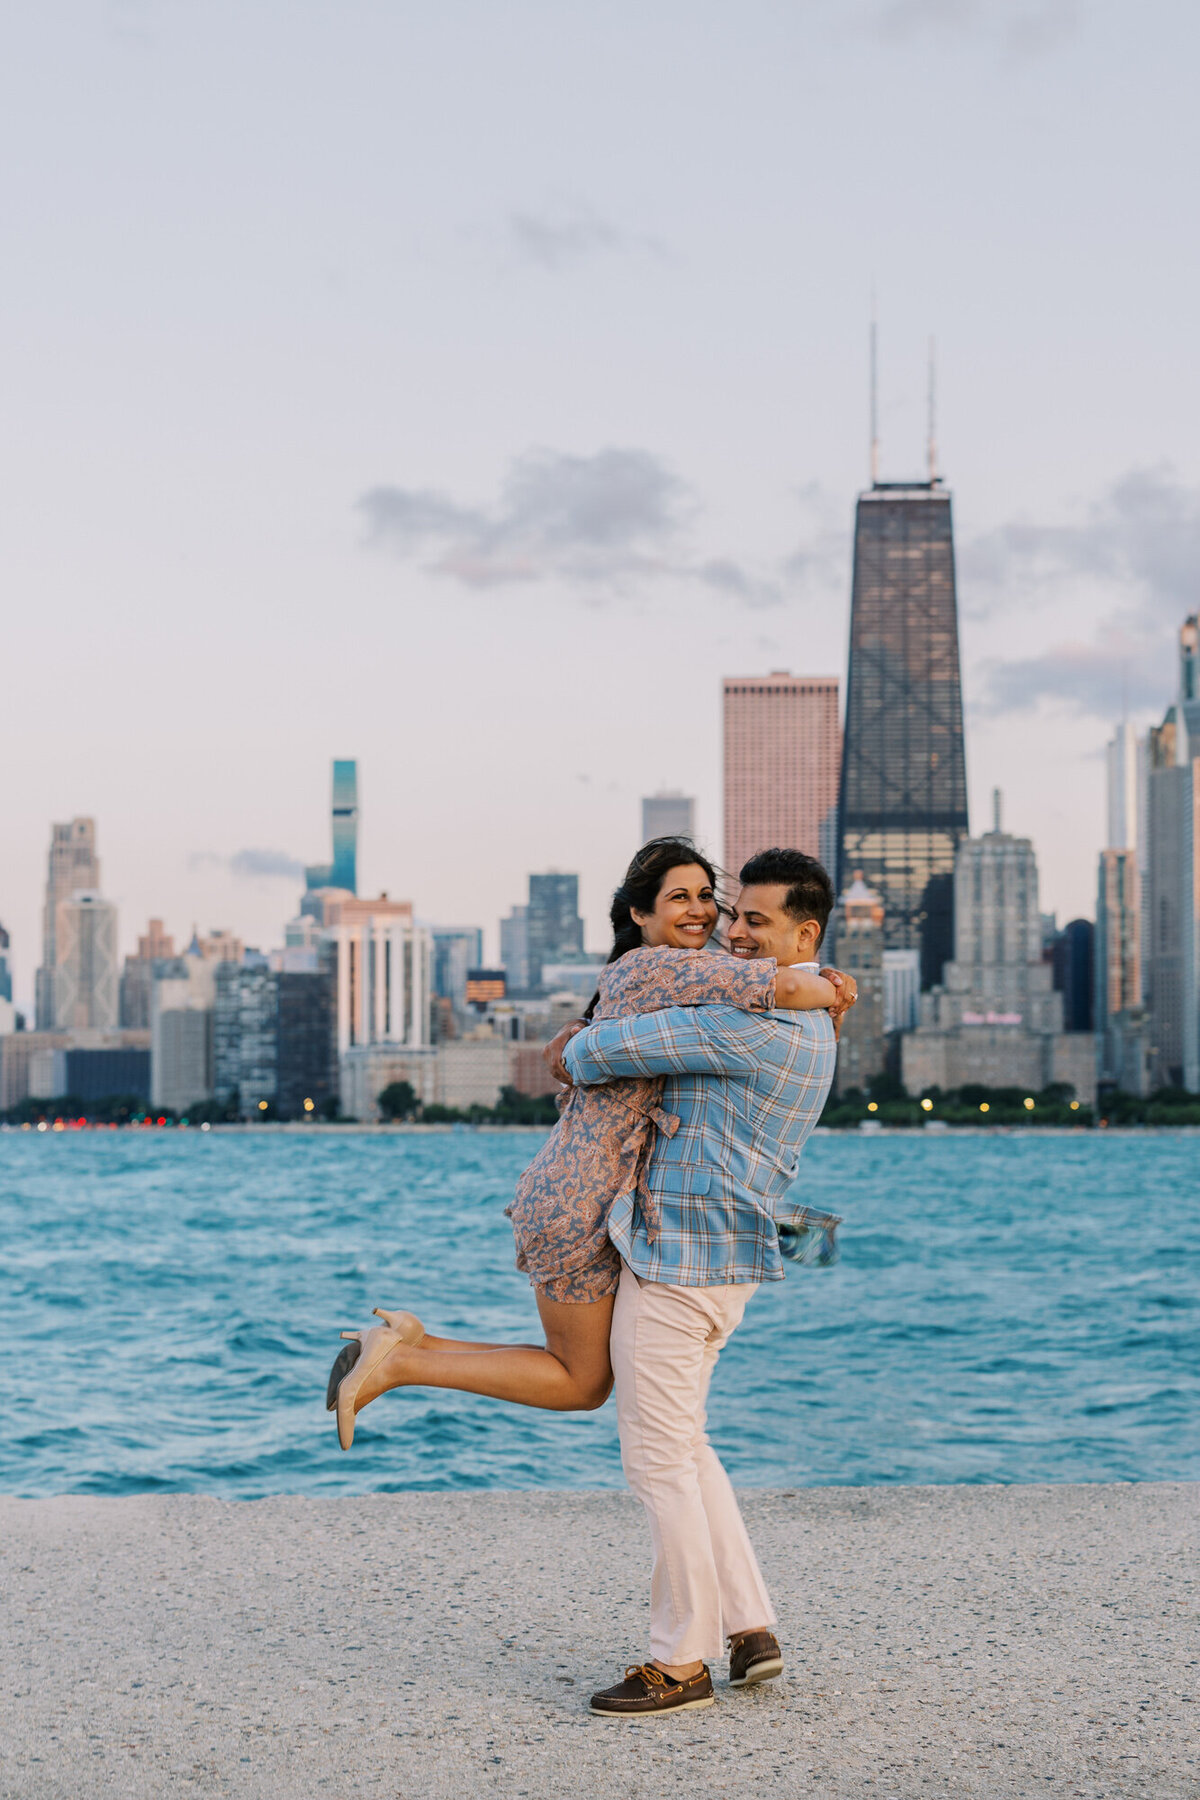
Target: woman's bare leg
569 1373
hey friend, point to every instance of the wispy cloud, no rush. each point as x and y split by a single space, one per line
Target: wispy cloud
598 523
251 865
600 518
564 233
1114 674
1133 557
1022 28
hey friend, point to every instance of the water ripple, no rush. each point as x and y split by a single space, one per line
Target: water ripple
1017 1308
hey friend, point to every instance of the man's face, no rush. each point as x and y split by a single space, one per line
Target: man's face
762 928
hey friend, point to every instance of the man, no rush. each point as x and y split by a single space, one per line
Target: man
747 1088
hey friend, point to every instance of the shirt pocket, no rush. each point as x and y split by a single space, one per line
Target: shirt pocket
682 1178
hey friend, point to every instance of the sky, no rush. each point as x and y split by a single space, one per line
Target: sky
468 388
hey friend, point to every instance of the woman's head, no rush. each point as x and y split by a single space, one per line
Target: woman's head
668 896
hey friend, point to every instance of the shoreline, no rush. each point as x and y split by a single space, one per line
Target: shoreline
359 1128
989 1642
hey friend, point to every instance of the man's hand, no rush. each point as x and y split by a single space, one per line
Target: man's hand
552 1054
847 994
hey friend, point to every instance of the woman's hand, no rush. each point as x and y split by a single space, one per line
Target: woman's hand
847 995
552 1054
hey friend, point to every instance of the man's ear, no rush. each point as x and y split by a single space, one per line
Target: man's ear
808 935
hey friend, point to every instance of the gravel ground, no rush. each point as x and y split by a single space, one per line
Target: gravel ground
979 1641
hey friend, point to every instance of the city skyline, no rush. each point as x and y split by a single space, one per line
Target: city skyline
279 867
405 437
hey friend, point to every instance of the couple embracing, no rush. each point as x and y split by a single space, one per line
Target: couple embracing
647 1220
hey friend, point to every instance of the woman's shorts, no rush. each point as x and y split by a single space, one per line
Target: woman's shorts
597 1279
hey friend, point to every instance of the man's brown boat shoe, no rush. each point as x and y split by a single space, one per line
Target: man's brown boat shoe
754 1656
647 1690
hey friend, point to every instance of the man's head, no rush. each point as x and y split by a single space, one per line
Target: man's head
783 908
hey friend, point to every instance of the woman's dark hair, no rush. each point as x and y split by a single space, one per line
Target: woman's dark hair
640 889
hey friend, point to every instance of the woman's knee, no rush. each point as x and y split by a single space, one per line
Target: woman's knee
595 1393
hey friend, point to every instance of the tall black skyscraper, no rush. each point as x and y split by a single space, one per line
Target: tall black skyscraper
903 803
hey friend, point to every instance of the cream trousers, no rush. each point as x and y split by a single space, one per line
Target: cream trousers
706 1582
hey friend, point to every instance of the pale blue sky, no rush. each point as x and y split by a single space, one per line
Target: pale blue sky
466 388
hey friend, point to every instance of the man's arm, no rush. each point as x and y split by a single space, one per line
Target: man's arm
709 1040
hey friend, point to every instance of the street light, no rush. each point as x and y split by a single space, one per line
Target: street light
308 1105
984 1107
1029 1104
927 1106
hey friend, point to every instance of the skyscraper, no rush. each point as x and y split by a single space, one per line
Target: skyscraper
668 814
1189 678
342 871
858 935
1073 961
781 754
903 804
73 867
1173 905
155 955
345 826
5 969
553 924
456 948
1120 934
998 1019
85 974
1121 767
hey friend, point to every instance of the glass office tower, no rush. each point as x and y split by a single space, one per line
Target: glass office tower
344 869
903 801
553 925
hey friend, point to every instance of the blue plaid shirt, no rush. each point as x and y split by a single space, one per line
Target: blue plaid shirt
747 1088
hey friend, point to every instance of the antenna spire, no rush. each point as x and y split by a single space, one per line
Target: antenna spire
874 393
932 438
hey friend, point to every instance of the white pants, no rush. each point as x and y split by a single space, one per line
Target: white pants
706 1582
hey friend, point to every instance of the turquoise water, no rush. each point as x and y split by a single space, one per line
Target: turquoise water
1007 1308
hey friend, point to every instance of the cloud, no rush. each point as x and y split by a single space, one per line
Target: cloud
735 582
1023 28
605 521
566 232
599 518
1142 538
1132 558
1104 679
251 865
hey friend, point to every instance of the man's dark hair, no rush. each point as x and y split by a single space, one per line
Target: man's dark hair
809 890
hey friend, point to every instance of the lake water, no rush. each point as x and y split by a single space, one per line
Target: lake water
1008 1308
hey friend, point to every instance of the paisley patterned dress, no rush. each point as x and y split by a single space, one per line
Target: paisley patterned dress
602 1142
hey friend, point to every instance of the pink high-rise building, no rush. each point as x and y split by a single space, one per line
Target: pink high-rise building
782 761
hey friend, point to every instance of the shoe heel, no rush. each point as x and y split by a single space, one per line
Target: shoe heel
406 1325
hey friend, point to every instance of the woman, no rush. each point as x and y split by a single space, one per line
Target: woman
666 904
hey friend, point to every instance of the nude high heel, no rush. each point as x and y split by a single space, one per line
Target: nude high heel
406 1325
364 1352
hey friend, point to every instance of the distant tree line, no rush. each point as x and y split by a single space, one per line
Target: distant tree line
398 1101
976 1104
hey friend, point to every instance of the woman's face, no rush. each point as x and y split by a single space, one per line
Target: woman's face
685 911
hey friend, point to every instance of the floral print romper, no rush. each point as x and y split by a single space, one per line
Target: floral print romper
601 1145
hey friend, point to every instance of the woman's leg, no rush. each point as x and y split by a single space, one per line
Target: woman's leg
570 1373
